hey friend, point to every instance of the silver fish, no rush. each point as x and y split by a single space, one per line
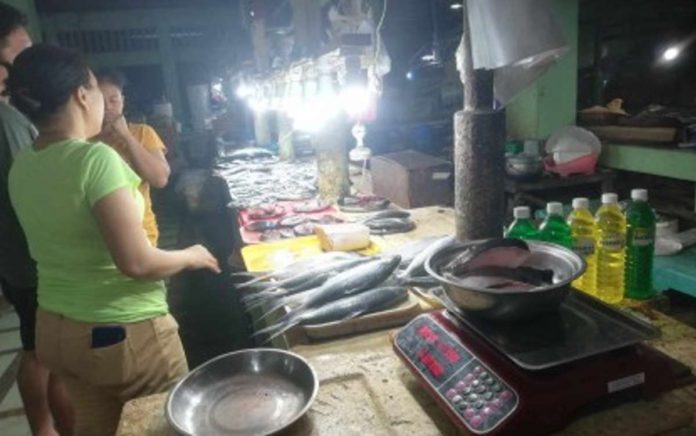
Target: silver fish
293 268
260 298
352 281
416 266
346 308
303 280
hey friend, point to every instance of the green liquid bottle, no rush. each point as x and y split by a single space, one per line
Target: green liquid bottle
640 246
522 227
582 225
611 243
555 228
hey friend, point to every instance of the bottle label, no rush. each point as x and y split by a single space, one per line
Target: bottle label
642 237
613 242
584 246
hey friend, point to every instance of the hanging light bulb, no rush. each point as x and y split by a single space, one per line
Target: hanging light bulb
360 152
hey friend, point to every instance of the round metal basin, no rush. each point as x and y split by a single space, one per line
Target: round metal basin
512 304
248 392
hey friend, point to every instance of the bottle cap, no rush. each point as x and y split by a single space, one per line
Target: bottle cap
554 208
639 195
521 212
610 198
581 203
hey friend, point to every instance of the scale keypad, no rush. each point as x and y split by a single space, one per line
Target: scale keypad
480 398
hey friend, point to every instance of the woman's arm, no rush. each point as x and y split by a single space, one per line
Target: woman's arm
122 230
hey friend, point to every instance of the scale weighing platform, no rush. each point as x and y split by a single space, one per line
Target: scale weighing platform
534 377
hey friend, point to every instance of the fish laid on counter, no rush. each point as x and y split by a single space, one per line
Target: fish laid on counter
293 268
350 307
299 281
352 281
417 266
389 226
496 264
389 213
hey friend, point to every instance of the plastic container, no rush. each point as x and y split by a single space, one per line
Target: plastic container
522 227
640 246
555 229
583 229
611 244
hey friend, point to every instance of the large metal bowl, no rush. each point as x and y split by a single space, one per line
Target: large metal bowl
510 304
249 392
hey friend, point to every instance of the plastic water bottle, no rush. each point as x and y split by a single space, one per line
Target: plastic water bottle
582 226
640 246
555 228
522 227
611 242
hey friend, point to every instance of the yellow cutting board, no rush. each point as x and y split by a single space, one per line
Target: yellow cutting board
269 256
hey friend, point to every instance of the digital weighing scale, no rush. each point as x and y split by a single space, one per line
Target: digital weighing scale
534 377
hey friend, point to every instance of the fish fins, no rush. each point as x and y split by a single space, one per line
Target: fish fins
277 329
276 306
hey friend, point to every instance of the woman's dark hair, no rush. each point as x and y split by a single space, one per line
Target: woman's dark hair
42 79
114 77
10 20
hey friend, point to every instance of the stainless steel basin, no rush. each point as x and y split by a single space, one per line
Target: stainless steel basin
248 392
511 304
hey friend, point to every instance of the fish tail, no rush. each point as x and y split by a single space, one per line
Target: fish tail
277 305
282 328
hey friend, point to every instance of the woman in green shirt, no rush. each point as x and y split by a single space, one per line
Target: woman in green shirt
103 322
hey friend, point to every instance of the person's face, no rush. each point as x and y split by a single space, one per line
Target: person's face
93 103
113 101
17 41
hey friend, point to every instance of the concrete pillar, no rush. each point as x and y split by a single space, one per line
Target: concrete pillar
169 70
331 146
285 148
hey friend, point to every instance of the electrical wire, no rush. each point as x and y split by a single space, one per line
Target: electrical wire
378 41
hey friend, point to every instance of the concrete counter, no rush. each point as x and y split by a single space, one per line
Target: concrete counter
365 390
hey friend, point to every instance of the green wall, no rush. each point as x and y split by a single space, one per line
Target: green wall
28 7
550 102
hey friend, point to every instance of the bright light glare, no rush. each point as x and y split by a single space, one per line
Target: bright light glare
244 91
217 87
671 54
409 75
428 57
355 100
456 6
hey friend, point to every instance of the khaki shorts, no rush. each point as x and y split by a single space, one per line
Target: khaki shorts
101 380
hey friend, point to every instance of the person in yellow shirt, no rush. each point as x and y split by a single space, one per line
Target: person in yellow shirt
138 144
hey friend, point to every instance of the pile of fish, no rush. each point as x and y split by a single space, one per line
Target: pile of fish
338 286
495 264
265 180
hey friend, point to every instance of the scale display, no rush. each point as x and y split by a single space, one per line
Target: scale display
478 397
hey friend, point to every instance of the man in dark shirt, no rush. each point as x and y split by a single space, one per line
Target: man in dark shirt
45 401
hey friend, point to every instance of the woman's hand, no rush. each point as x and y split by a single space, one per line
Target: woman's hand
200 258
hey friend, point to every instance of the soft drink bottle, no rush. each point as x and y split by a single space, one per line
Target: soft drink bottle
640 246
522 227
554 228
611 241
582 226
